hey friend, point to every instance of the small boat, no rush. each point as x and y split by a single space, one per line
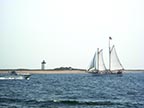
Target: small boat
14 75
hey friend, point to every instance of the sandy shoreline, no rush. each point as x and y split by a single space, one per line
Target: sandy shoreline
57 71
46 71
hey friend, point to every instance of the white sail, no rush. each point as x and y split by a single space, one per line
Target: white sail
102 66
97 64
115 62
93 63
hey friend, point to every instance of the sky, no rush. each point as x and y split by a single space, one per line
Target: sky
66 33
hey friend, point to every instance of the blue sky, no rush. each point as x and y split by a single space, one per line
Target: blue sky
68 32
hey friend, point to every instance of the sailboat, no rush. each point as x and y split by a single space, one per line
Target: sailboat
97 65
115 66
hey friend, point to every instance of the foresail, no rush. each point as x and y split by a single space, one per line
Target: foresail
93 63
115 62
102 66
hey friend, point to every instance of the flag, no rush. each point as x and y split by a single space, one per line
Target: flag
110 38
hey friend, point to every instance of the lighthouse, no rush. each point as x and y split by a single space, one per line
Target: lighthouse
43 65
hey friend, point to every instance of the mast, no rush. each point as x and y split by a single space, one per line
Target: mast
94 61
109 54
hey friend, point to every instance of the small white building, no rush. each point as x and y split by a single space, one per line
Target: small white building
43 65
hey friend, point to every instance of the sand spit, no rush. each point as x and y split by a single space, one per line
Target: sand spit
52 71
45 71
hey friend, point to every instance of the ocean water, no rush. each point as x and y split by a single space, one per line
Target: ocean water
74 91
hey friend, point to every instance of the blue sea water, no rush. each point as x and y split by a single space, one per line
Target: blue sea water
74 91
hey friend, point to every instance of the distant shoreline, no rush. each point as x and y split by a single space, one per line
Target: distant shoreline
48 71
53 71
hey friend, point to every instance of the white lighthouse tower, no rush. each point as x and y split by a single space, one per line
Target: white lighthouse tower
43 65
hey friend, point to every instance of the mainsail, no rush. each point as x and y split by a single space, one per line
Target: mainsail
115 63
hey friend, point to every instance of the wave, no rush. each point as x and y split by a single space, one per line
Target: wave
9 100
61 101
79 102
69 102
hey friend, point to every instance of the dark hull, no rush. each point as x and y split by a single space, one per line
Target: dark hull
26 76
105 72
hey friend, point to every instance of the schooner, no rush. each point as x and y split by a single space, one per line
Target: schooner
97 65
